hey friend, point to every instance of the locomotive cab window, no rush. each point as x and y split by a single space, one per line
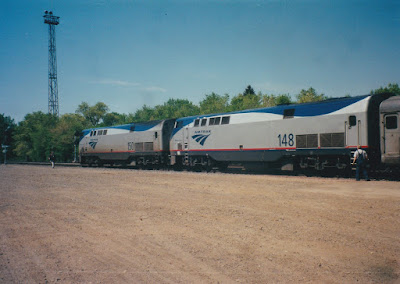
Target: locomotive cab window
391 122
212 121
196 122
203 121
132 128
217 120
225 120
178 124
105 132
352 120
288 113
100 132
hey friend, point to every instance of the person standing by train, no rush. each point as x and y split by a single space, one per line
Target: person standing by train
52 159
361 159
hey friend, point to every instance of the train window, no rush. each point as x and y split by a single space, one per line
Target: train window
212 121
352 120
178 124
91 133
225 120
94 133
156 135
196 122
132 128
105 132
288 113
391 122
203 121
100 132
217 120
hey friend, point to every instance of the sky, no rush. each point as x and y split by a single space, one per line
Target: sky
128 53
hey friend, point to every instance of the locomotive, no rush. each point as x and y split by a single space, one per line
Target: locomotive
139 144
320 135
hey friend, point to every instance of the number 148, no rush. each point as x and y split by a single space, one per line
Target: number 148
286 140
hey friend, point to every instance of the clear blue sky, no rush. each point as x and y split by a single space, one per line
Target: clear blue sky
127 53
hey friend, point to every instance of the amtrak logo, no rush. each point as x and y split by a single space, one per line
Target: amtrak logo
93 144
200 138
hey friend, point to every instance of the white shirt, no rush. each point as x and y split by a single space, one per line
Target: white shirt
360 152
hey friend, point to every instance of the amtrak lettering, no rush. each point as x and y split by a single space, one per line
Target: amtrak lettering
202 131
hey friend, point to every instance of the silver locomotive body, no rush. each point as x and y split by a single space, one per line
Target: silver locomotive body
318 136
313 135
135 143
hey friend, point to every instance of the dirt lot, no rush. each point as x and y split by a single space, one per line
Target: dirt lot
83 225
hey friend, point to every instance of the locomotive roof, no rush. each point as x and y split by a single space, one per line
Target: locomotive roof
303 109
390 105
139 126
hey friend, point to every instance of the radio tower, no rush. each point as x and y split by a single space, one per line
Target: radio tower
52 21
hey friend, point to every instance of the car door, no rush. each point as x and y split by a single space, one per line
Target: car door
391 136
353 128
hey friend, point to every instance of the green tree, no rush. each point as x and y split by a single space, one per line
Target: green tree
146 113
310 95
174 108
268 100
273 100
242 102
283 99
33 136
114 118
214 104
7 128
249 91
390 88
63 135
93 114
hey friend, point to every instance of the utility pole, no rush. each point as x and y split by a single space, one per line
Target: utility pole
4 146
5 152
52 21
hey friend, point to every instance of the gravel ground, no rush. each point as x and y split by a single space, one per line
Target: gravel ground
96 225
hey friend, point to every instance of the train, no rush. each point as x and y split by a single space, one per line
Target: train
314 136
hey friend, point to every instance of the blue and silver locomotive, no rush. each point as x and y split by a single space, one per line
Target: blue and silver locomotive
322 135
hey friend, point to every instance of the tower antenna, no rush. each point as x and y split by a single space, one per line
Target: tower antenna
52 21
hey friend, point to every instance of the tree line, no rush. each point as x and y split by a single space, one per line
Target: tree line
39 133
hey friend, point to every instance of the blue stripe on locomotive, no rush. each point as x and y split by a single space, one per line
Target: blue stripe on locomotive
142 126
301 110
311 109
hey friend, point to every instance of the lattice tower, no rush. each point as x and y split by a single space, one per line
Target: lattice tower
52 21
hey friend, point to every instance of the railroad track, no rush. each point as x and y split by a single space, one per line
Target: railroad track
391 176
44 164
